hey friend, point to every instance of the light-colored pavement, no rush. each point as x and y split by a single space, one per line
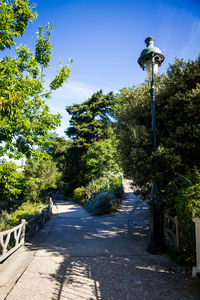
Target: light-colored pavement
77 256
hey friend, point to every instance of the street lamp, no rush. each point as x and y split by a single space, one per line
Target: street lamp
150 59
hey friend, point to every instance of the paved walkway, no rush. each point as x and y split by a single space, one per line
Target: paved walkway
77 256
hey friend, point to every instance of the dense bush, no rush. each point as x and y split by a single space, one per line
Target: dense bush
187 204
105 195
178 131
41 175
102 183
103 203
11 184
102 158
80 195
93 152
117 187
4 220
25 117
178 136
106 183
26 211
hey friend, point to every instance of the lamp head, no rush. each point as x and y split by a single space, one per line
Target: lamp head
145 59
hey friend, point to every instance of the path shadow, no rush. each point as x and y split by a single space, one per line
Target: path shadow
93 258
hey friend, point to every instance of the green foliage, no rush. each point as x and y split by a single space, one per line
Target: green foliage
90 119
102 159
134 132
105 195
80 195
90 131
189 192
42 175
117 187
11 183
178 131
74 170
26 211
103 203
98 184
25 119
14 18
43 46
4 220
56 147
106 183
62 75
187 204
178 135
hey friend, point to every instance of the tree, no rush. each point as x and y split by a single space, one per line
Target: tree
25 120
57 147
11 183
90 122
178 131
14 18
41 175
102 159
134 133
90 119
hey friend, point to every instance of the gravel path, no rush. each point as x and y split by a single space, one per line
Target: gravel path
77 256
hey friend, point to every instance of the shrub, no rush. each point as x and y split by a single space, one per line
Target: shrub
103 203
4 220
188 204
11 183
102 158
106 193
107 183
117 187
177 104
42 176
26 211
80 195
95 186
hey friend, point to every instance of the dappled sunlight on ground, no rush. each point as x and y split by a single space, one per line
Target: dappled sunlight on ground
81 257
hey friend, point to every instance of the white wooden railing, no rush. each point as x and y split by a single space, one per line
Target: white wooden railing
33 225
12 239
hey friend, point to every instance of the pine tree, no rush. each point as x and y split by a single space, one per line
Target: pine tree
90 123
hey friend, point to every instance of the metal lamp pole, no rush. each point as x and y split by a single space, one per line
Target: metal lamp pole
151 57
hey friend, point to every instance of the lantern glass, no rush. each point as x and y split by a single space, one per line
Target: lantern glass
148 68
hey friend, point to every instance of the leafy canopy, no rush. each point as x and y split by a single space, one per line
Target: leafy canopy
11 182
90 125
14 18
178 130
25 119
90 119
41 173
102 159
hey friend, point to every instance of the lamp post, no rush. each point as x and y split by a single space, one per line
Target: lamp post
150 59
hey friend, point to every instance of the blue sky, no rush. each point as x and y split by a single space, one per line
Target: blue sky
105 39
